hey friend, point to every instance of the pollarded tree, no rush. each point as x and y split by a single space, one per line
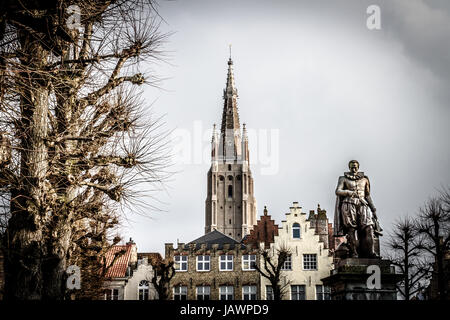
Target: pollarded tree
76 138
273 262
434 226
405 252
163 272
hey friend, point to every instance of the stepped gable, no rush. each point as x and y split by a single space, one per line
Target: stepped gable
265 231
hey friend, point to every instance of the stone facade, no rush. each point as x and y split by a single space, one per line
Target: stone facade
214 278
143 272
230 205
307 239
348 280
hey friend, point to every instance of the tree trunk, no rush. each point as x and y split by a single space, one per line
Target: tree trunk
29 275
440 271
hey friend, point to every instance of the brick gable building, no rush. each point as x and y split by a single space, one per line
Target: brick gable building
214 267
264 231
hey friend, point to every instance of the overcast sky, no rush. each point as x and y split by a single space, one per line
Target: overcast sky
322 86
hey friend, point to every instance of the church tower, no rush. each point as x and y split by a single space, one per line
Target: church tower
230 204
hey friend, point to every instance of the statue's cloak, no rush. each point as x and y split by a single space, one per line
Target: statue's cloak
338 224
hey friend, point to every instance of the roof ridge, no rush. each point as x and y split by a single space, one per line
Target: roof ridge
212 232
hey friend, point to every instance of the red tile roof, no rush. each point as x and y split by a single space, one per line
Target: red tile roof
119 268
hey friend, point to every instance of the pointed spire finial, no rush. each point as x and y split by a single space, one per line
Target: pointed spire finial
229 60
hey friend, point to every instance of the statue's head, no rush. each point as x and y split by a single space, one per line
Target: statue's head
353 165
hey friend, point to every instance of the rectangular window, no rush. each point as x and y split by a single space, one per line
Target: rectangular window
180 293
298 292
112 294
322 292
249 293
203 292
269 293
226 292
226 262
309 262
248 262
143 294
287 265
181 263
203 263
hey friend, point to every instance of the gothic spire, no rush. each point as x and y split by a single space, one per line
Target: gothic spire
230 143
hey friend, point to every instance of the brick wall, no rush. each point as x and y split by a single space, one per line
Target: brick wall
213 278
265 231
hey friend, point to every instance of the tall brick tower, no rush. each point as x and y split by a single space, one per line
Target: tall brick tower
230 204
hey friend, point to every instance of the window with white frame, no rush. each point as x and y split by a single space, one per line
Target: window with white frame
287 265
298 292
203 292
180 293
226 262
226 292
181 263
249 293
143 290
322 292
296 231
248 262
269 293
112 294
310 262
203 263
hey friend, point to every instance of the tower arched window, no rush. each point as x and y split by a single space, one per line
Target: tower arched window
230 191
296 231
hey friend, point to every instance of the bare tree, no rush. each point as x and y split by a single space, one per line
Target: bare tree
77 141
163 272
434 226
273 264
405 248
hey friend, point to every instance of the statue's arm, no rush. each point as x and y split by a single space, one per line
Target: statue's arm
369 198
340 191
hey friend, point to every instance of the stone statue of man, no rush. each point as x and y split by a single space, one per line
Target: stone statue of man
355 214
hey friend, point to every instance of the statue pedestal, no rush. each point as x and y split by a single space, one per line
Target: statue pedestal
348 281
